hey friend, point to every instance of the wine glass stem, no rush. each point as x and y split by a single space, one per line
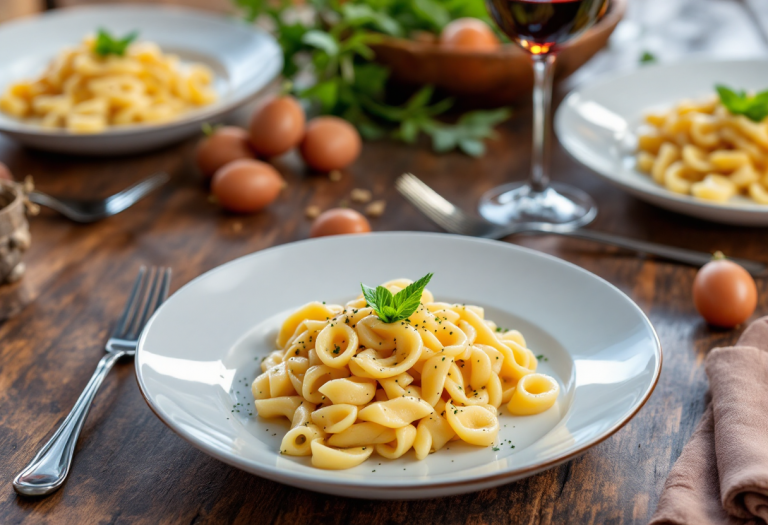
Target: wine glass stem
543 71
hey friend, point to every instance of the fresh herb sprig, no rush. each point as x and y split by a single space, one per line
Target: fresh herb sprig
392 308
107 44
755 108
329 58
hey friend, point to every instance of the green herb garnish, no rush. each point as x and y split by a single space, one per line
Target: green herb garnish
392 308
755 108
330 60
106 44
647 58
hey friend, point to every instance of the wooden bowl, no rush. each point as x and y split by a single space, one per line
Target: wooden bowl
489 78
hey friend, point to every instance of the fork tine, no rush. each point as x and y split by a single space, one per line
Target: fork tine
156 295
126 317
149 297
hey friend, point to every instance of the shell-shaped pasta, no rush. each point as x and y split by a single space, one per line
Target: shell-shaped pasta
507 389
432 433
278 407
494 356
696 159
395 386
675 180
433 378
404 339
362 434
297 441
495 391
650 142
315 311
481 368
302 415
727 160
644 161
350 390
758 192
513 335
714 188
260 386
396 413
744 176
273 359
317 376
329 458
335 418
474 424
668 153
533 394
404 438
336 344
518 361
297 367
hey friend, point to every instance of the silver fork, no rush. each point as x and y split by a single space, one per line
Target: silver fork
94 210
455 220
49 468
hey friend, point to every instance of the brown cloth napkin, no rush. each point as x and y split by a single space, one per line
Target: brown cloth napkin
722 474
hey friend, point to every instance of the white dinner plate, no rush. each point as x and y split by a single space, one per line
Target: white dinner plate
202 349
243 58
597 125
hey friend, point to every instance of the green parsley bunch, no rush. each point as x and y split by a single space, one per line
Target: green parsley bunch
335 48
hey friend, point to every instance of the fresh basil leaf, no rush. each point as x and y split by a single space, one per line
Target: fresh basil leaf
395 308
407 300
321 40
106 44
370 296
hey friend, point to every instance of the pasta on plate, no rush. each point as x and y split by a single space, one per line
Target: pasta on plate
352 384
84 92
699 148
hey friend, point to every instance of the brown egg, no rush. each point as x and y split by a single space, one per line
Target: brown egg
330 143
277 126
339 221
724 293
5 172
246 186
223 146
469 34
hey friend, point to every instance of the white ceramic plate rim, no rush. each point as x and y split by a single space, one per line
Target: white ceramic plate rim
418 485
199 115
564 134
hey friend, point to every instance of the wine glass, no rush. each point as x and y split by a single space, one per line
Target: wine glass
540 27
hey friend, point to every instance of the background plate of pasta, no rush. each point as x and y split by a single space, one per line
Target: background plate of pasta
441 365
111 80
664 134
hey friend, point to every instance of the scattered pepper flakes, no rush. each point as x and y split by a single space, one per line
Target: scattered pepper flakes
311 212
334 175
361 195
376 208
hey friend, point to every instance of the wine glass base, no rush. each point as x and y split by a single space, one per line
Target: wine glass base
559 207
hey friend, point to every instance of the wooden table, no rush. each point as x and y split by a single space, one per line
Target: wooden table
130 468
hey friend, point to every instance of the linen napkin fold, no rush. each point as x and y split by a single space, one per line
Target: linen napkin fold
721 476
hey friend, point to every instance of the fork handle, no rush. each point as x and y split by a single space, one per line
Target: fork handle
668 252
49 468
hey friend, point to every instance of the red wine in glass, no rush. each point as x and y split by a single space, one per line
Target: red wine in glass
539 26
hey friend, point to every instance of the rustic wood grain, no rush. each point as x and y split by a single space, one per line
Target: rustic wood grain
130 468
